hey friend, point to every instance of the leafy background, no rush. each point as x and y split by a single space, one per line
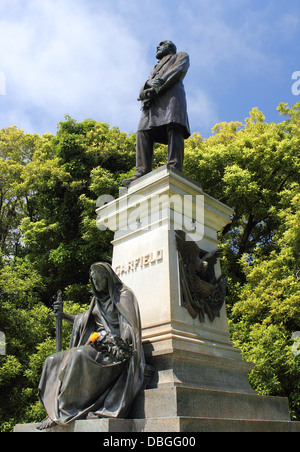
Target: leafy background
48 239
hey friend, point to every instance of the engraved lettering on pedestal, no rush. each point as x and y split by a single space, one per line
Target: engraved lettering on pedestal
140 263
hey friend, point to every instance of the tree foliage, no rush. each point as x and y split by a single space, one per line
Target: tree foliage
254 167
48 239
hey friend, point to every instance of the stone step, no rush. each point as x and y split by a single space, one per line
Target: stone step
169 425
202 403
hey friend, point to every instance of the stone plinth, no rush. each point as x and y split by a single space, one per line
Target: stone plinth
168 425
198 372
146 219
145 256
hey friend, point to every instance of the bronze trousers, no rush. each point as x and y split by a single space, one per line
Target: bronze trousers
145 143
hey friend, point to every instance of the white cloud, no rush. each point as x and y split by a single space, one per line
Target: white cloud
88 58
60 58
236 33
202 110
2 84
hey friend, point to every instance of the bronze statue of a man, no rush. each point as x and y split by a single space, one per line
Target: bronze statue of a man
164 116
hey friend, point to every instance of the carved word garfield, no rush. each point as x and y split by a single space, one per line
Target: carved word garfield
141 262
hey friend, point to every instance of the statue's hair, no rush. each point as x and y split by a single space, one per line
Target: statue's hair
172 46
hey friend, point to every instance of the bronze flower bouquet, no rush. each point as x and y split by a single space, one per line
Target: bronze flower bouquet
111 346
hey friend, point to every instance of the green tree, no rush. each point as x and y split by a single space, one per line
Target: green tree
51 185
48 239
254 168
62 238
16 149
247 166
23 319
268 313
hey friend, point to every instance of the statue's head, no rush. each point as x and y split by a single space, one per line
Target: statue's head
103 279
165 48
99 277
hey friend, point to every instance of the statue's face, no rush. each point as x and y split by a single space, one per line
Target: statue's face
100 279
162 50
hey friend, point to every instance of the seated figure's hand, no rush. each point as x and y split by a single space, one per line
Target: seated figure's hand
57 308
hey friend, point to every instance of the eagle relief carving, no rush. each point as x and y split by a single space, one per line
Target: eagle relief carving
202 293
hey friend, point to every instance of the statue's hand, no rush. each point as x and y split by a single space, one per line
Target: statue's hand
157 84
147 94
112 346
57 308
59 312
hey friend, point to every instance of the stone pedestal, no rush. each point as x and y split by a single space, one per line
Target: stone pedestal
145 256
200 382
198 373
146 219
167 425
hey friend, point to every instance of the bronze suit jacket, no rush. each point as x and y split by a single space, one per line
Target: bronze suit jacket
169 104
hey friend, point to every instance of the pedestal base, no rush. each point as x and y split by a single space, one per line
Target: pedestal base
184 402
175 367
169 425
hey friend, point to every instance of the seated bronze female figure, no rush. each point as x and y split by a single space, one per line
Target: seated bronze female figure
103 370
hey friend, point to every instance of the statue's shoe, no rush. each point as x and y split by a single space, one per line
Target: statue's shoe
127 182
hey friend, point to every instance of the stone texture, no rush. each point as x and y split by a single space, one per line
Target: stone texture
170 425
146 258
177 368
191 402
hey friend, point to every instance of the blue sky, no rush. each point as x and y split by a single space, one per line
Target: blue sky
88 58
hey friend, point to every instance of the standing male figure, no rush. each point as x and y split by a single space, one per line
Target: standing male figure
164 116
